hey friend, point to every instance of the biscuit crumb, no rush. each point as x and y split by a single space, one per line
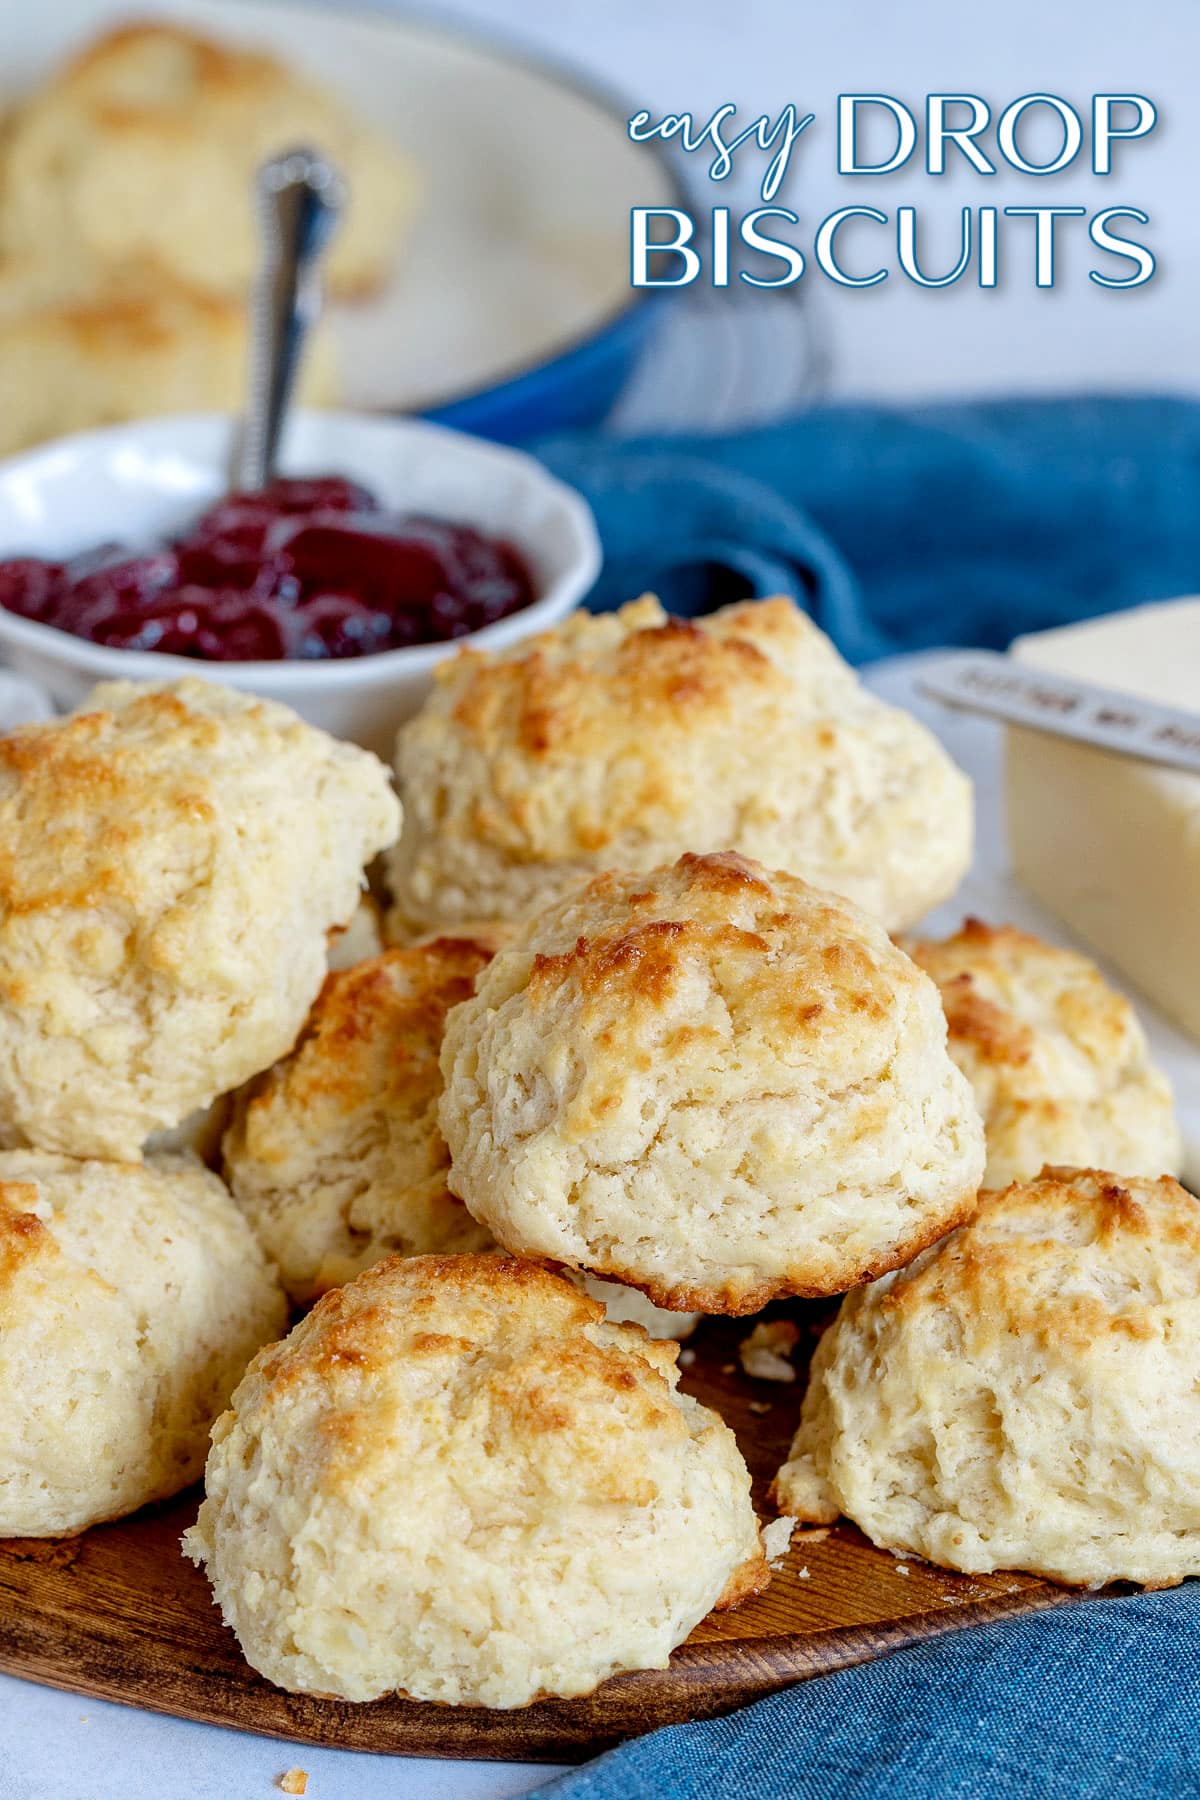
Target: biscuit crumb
294 1782
776 1537
759 1406
902 1568
816 1535
803 1573
686 1358
729 1368
764 1354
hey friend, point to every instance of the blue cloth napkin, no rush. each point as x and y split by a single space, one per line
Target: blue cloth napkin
1099 1700
901 530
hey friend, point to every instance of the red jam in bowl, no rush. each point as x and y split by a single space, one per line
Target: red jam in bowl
305 570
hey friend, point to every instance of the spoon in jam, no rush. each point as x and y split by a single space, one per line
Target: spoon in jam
300 196
282 567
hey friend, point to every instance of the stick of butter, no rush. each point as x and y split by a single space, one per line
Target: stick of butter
1109 844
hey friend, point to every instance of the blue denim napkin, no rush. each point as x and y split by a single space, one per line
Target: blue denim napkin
1099 1700
901 530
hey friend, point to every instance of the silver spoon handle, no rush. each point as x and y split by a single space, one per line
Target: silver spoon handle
300 195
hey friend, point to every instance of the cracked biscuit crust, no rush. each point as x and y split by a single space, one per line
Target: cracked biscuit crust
335 1155
456 1480
171 859
712 1083
622 740
1057 1059
1023 1395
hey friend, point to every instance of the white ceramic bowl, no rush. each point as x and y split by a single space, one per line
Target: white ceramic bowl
134 483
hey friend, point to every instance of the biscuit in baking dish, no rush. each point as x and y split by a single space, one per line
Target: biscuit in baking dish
75 357
171 859
712 1083
131 1300
457 1480
141 152
1024 1395
621 740
1057 1059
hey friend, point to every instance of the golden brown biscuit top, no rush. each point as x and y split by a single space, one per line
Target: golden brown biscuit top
124 802
154 69
598 681
718 946
127 316
75 797
1074 1259
372 1040
512 1344
997 981
620 740
23 1235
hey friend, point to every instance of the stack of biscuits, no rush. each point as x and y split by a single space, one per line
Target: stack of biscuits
127 234
631 1044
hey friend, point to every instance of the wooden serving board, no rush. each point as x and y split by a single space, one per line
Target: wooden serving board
118 1614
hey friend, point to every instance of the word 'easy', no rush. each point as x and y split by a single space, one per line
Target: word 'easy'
955 125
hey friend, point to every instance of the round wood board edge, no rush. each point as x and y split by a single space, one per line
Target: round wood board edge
118 1614
702 1681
